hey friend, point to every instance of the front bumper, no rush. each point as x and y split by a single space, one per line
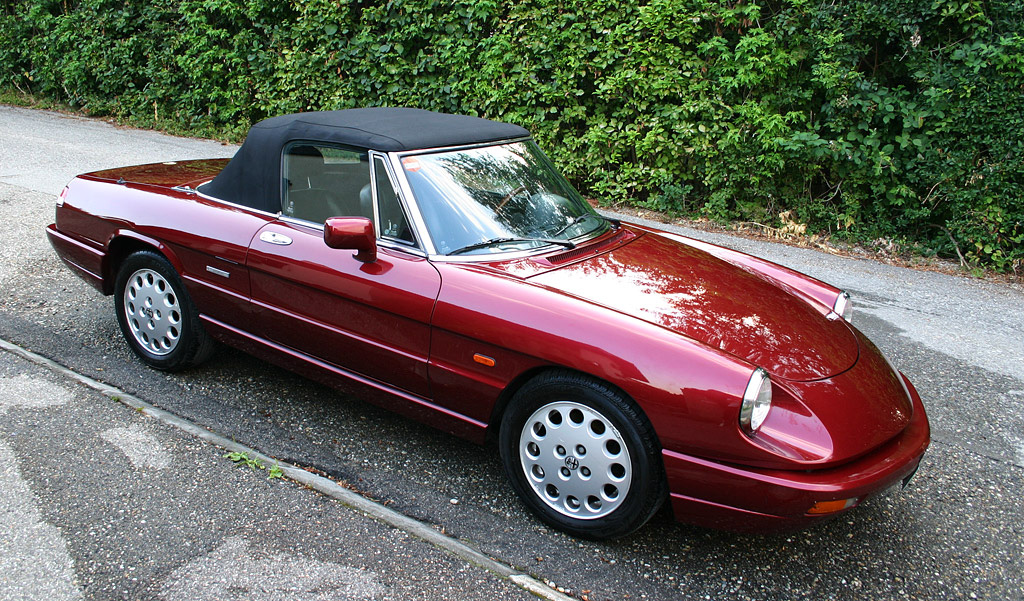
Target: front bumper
745 499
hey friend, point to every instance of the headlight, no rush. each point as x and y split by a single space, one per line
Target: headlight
757 400
843 305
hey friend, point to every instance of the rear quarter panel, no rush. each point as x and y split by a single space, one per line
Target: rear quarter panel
194 233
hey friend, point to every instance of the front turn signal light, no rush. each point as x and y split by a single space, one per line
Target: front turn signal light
825 507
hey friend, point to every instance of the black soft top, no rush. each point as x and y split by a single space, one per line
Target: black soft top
253 177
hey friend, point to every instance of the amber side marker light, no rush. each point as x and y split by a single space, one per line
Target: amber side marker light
483 360
823 507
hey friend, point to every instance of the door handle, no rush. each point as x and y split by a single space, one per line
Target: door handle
275 238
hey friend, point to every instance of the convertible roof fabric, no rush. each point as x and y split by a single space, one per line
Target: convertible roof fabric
253 176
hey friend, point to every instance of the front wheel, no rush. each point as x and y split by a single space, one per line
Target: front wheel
583 457
156 315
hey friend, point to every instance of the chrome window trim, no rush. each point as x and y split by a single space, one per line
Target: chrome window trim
412 250
299 221
412 206
385 160
392 245
432 254
372 157
405 153
384 242
233 204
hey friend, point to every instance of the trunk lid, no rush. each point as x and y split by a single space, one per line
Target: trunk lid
168 174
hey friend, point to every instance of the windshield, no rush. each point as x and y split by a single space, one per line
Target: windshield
497 199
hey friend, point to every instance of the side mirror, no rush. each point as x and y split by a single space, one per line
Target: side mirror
352 233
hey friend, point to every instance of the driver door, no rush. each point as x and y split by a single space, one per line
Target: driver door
369 319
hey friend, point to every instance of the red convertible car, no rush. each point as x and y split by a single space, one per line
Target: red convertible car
440 266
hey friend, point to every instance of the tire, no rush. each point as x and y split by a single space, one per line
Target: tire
156 315
583 457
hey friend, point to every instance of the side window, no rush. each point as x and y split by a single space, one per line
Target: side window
393 222
325 181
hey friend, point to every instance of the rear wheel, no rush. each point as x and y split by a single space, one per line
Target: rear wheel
156 315
582 456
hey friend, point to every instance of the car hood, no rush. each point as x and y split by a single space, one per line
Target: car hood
714 302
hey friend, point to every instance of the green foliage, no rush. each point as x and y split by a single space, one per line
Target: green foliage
898 119
242 458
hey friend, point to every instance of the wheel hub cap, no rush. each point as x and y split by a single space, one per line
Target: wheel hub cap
575 460
151 307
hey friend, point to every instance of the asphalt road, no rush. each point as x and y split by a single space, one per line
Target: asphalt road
956 533
100 501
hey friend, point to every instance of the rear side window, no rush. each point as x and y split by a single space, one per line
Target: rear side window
325 181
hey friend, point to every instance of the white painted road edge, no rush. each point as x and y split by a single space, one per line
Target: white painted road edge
324 485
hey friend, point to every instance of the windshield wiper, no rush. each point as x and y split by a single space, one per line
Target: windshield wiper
494 241
574 221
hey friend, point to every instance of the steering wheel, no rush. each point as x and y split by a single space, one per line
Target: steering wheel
508 197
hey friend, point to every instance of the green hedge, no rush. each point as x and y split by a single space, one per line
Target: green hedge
898 119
